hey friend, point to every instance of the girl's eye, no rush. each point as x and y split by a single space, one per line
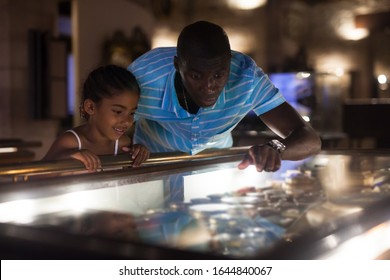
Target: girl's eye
117 112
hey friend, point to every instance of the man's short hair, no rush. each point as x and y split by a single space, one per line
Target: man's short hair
203 39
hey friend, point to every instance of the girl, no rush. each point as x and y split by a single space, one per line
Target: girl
110 98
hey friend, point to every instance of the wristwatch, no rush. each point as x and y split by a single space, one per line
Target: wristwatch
277 145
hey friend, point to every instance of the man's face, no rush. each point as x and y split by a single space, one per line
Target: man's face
204 79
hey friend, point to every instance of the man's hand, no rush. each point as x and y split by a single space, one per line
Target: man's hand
264 157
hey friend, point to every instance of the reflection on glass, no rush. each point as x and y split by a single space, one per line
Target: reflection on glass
371 245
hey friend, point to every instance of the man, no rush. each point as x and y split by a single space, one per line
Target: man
194 95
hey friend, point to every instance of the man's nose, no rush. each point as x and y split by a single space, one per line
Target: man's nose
209 84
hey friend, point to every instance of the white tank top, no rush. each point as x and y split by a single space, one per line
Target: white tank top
79 141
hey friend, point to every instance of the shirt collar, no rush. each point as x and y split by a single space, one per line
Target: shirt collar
169 99
220 101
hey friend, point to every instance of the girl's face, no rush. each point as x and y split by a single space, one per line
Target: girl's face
113 116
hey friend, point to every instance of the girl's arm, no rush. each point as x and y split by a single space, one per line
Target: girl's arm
66 146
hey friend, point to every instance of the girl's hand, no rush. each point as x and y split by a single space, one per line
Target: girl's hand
139 153
90 160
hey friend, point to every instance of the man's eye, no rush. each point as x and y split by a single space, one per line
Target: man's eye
219 76
117 112
195 76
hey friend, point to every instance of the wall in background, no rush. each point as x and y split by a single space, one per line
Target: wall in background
17 18
93 22
285 34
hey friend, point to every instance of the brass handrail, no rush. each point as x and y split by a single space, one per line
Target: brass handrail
25 169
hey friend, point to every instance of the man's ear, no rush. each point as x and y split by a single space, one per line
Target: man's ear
89 106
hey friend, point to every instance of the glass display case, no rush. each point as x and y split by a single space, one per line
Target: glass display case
199 207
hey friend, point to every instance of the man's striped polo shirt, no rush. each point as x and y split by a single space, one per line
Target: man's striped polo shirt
163 125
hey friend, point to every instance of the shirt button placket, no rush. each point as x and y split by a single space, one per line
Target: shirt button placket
195 132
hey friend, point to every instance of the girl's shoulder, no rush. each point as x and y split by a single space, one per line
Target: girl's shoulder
69 138
65 142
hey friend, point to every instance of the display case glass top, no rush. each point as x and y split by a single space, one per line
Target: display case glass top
200 209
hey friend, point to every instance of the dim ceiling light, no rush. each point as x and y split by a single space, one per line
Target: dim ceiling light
246 4
357 34
348 31
382 79
345 27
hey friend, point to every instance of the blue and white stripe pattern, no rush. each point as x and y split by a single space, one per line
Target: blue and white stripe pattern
163 125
